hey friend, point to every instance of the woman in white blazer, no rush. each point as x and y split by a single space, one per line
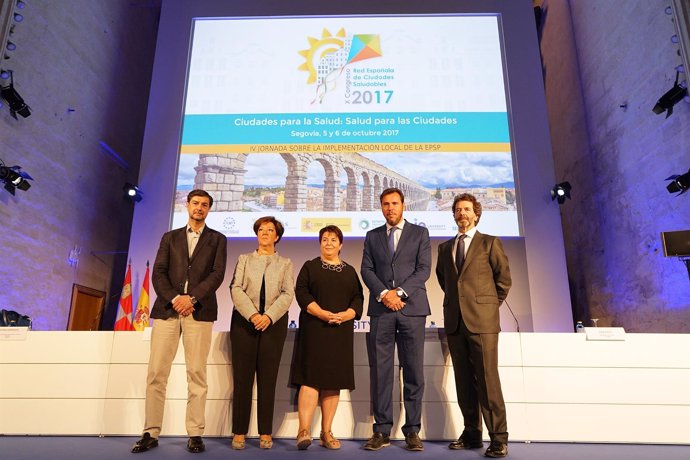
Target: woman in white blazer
262 290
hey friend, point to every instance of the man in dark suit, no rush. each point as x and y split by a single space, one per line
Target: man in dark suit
473 272
189 268
395 267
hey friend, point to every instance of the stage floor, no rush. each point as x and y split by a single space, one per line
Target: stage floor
172 448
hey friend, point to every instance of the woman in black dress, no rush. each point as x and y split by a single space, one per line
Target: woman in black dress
330 295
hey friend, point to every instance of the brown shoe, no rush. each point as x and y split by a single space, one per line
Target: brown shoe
496 450
465 442
413 443
303 440
377 441
328 441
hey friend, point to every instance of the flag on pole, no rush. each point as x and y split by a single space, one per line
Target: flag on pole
141 316
123 322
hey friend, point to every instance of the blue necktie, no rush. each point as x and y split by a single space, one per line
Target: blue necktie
391 240
460 253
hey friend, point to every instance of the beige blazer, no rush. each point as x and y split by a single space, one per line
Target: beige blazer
246 284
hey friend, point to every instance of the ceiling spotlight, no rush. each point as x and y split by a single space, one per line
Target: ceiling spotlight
15 101
679 183
670 98
18 17
14 177
560 192
21 5
11 46
133 193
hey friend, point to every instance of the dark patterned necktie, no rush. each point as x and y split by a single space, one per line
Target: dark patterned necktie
460 253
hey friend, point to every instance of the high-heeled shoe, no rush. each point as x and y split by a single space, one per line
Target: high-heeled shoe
303 440
329 441
266 443
238 445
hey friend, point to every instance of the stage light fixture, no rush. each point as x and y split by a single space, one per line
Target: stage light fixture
680 183
133 193
14 178
14 100
560 192
670 98
11 46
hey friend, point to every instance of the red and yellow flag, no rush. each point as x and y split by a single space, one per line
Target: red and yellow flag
123 321
141 316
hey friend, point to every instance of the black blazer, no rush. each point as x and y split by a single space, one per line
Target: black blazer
479 290
205 271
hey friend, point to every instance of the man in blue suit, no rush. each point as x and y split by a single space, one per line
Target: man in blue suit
395 267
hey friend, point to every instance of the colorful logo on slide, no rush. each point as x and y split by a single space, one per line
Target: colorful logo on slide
327 57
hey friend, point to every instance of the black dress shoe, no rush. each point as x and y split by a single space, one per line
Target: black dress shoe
413 443
466 442
378 441
145 443
496 450
195 445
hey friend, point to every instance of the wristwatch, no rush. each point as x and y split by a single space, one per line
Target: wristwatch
400 293
192 299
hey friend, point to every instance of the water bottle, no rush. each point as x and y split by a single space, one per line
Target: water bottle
579 327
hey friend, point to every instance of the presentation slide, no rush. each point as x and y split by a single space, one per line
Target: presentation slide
309 118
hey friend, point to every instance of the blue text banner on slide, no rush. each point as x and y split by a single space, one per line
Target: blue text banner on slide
418 131
310 118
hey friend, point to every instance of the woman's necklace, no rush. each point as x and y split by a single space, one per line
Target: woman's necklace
333 267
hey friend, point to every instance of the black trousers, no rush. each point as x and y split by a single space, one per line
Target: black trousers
255 353
478 386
